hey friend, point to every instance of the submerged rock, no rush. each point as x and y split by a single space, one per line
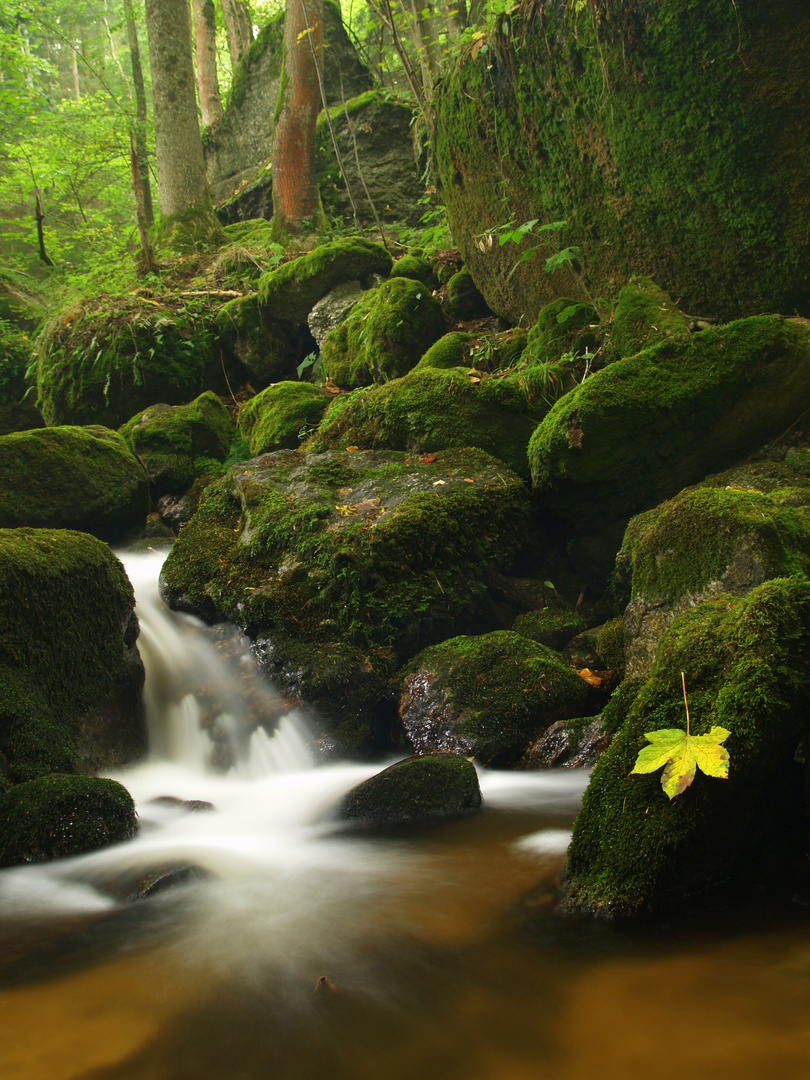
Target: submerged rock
436 785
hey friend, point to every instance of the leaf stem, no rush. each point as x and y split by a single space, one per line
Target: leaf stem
686 703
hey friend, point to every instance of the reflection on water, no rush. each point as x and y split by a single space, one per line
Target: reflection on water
431 960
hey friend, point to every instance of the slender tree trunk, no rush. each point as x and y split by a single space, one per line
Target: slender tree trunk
178 149
40 215
205 44
74 67
296 199
140 106
238 29
113 53
147 263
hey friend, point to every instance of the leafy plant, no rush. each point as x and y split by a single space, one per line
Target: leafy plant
682 754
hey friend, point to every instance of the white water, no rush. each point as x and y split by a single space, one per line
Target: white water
281 883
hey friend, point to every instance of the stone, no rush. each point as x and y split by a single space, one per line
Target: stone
418 788
279 417
568 744
331 311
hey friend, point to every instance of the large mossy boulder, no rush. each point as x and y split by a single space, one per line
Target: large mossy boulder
291 291
177 443
435 785
644 316
430 410
590 116
72 478
385 335
280 416
643 428
745 661
56 816
489 696
70 676
268 348
717 538
373 545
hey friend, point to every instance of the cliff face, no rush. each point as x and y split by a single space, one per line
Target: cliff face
674 139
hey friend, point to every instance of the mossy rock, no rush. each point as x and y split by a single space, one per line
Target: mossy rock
376 546
708 540
56 816
563 326
102 360
500 351
268 348
437 785
489 696
72 478
293 290
643 428
278 417
177 443
464 301
610 644
643 316
634 850
415 267
256 231
430 410
447 352
600 129
620 703
553 628
18 411
385 335
67 635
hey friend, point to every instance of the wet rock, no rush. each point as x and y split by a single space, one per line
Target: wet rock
568 744
437 785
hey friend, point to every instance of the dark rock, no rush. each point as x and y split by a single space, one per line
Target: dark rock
568 744
464 301
437 785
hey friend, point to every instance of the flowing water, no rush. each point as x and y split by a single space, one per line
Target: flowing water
275 943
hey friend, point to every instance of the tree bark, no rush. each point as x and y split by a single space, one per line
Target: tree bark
140 111
147 263
205 44
238 30
40 215
178 149
296 199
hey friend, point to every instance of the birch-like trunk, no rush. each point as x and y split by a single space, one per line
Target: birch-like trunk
205 46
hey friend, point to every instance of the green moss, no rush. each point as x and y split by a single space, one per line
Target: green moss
190 231
563 326
254 231
633 849
420 787
56 816
18 411
553 628
464 301
590 117
71 477
384 336
430 410
610 644
645 427
278 417
64 604
619 704
414 267
291 291
447 352
499 691
175 444
644 315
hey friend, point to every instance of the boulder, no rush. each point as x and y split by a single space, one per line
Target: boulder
643 428
176 443
487 696
56 816
464 301
72 478
634 850
564 326
643 316
549 626
568 744
279 417
376 546
430 410
70 675
415 267
448 352
436 785
333 309
268 348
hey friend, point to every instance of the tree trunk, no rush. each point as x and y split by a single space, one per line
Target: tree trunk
147 263
205 41
238 30
40 216
296 199
178 149
140 107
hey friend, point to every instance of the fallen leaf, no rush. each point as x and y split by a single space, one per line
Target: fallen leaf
590 677
468 480
348 510
437 482
344 491
427 458
682 755
350 449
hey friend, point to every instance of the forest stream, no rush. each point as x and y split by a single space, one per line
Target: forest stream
292 946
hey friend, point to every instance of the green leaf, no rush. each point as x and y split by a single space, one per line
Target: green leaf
682 755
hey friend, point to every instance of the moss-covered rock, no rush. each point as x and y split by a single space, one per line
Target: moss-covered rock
643 316
385 335
437 785
633 849
56 816
415 267
269 348
71 478
431 410
176 443
487 696
67 637
373 545
589 116
568 744
643 428
708 540
278 417
291 291
464 301
18 411
447 352
562 326
550 627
